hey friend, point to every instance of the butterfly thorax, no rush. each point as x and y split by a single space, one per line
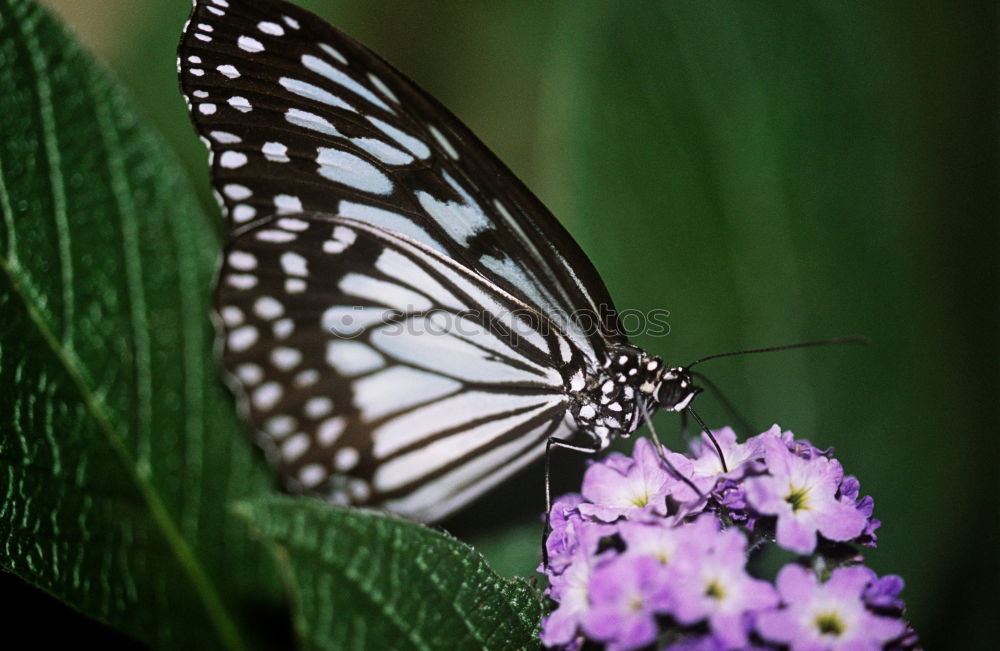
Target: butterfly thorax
630 384
612 402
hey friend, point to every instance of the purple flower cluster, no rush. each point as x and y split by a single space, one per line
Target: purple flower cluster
653 553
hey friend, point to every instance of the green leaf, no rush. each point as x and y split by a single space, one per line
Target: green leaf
361 580
120 450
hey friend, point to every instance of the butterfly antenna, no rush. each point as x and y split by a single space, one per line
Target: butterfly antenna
727 404
856 339
663 455
704 428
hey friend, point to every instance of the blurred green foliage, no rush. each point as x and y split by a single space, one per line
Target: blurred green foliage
769 172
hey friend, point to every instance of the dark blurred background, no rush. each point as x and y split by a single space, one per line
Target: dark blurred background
767 172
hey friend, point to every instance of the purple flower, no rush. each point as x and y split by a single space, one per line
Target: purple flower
803 495
705 469
826 616
632 488
801 447
709 581
625 595
570 589
654 539
850 489
882 594
567 530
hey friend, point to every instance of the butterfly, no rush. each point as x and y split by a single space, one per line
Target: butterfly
405 323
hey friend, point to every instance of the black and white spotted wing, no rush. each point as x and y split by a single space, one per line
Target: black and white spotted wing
301 117
351 194
382 372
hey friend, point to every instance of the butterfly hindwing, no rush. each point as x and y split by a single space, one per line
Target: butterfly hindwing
300 117
379 371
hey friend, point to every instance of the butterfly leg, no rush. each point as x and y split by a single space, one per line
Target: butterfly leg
554 442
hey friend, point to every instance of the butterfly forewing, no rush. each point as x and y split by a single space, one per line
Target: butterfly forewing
405 322
381 372
301 117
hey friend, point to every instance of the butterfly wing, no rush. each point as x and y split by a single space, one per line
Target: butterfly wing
300 117
380 371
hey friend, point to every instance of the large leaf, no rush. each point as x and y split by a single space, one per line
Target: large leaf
120 449
364 581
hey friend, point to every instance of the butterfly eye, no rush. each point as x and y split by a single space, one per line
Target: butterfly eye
676 390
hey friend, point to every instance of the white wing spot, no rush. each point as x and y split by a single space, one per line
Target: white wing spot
282 328
382 88
292 224
228 70
268 308
194 59
318 407
266 395
242 338
242 260
359 489
242 281
311 121
321 67
217 11
346 459
200 94
334 53
295 286
274 29
286 203
221 3
294 264
274 235
291 22
275 152
197 72
444 142
203 37
388 220
205 27
207 108
249 374
232 159
285 358
330 430
352 171
243 212
250 44
312 475
383 151
352 357
241 104
280 425
294 447
343 237
346 321
225 137
460 220
385 292
232 316
417 147
315 93
306 378
236 191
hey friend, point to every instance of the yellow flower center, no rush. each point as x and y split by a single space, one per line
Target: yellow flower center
797 498
829 624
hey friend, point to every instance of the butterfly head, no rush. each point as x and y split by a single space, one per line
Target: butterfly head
675 389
